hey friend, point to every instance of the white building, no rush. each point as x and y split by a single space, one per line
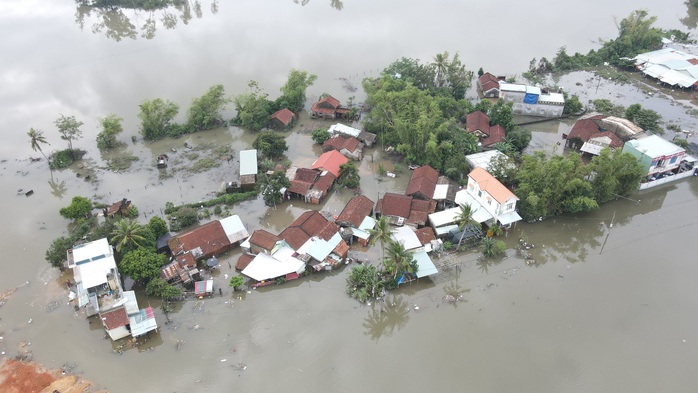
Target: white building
492 196
531 100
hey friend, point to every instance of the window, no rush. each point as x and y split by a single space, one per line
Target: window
479 193
673 160
489 201
510 206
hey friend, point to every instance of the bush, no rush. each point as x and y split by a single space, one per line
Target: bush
142 264
185 216
61 159
320 136
160 288
79 207
236 281
56 253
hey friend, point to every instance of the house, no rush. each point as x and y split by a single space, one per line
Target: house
484 159
202 242
410 241
328 107
262 241
322 186
265 269
496 134
355 219
234 229
493 196
444 193
281 119
423 183
116 323
309 224
248 169
478 123
587 136
316 240
489 85
121 208
403 209
350 147
96 276
302 179
670 66
330 161
532 100
182 269
244 261
367 138
661 160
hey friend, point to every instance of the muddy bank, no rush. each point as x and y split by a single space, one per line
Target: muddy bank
18 376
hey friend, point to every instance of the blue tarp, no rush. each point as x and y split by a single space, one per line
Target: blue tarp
530 98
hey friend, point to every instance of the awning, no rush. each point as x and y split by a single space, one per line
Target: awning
426 266
509 218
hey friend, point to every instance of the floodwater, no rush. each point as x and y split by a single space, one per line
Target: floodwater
608 305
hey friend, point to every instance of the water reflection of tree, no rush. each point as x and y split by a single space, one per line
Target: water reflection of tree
336 4
57 188
691 18
453 293
384 317
113 21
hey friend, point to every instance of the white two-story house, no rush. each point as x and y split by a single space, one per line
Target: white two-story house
493 196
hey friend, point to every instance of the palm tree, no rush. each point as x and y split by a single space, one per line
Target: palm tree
441 65
128 235
465 219
37 139
381 232
399 260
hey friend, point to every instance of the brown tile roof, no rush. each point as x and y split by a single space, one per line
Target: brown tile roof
339 142
423 206
395 205
114 319
333 102
309 224
187 260
583 130
306 175
486 182
264 239
355 211
488 82
243 261
330 161
283 115
341 249
327 105
425 235
477 121
324 183
497 134
299 187
423 181
210 237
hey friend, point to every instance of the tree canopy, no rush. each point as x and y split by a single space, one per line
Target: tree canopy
69 128
349 175
253 108
205 111
80 207
142 264
293 91
270 186
111 127
157 119
270 144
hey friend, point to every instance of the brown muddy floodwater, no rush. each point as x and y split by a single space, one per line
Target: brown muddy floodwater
608 306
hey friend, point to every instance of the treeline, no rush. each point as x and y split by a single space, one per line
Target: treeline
141 4
420 110
636 35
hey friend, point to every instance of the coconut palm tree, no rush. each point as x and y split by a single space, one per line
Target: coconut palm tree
128 235
465 219
399 260
441 65
37 139
381 232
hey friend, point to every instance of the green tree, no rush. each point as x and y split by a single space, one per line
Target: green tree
142 264
364 282
647 119
56 254
349 175
381 232
128 235
236 281
606 107
111 127
399 260
69 128
635 35
79 207
158 226
293 92
320 136
614 174
156 118
271 145
465 219
411 71
492 247
572 104
184 217
205 111
501 114
270 187
440 64
160 288
253 108
37 139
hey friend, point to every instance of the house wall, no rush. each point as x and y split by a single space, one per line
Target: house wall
541 110
488 202
664 164
118 333
255 249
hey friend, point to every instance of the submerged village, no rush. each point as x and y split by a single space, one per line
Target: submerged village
436 214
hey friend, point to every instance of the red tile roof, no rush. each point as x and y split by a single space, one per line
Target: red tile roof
583 130
497 134
425 235
395 205
299 187
423 206
615 141
264 239
329 100
243 261
423 181
327 105
477 121
486 182
488 82
114 319
339 142
306 175
210 237
330 161
283 115
309 224
187 260
324 182
355 211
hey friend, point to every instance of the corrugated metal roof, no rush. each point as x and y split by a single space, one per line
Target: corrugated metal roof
512 87
234 228
264 267
406 236
426 266
655 146
344 129
143 322
444 217
248 162
483 159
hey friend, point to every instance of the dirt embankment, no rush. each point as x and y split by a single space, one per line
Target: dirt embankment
17 376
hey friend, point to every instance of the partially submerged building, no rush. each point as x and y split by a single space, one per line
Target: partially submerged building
669 66
661 160
248 169
329 107
404 210
283 118
367 138
532 100
349 146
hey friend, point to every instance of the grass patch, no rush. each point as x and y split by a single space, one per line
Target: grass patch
65 158
121 163
204 164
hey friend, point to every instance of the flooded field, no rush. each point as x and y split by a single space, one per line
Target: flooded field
608 304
